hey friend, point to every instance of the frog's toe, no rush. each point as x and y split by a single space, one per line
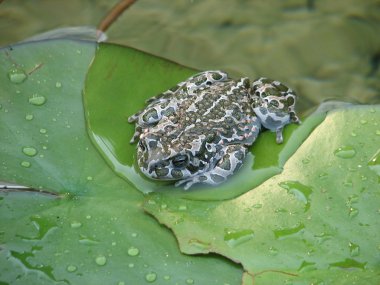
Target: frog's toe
133 118
279 137
187 183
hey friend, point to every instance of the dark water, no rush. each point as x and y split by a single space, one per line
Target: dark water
322 49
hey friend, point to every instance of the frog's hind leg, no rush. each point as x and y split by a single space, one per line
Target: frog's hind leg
226 166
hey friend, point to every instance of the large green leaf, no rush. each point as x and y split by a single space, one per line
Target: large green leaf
315 223
128 78
86 226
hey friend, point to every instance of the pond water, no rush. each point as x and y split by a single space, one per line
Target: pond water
323 49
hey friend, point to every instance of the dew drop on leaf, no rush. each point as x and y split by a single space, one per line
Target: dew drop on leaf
25 164
353 212
71 268
29 151
182 208
273 251
345 152
17 75
199 245
287 232
75 224
300 191
349 263
101 260
37 100
29 117
133 251
151 277
236 237
354 249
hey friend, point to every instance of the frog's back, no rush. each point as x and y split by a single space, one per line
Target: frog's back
222 108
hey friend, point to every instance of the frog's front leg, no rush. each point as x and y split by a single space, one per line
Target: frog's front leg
230 162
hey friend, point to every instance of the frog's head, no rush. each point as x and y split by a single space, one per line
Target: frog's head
274 103
172 156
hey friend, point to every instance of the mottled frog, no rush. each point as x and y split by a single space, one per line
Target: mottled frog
199 131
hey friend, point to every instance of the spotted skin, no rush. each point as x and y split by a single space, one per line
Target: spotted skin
199 131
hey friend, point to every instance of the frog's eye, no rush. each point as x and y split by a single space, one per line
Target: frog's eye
180 160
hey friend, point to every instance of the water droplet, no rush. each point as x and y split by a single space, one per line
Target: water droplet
349 263
354 134
164 206
354 249
321 238
236 237
89 178
182 208
88 217
363 122
26 164
29 117
352 200
87 241
133 251
43 131
374 162
151 277
300 191
131 265
134 235
121 283
71 268
287 232
189 281
257 206
37 100
307 266
200 245
17 75
75 224
323 175
273 251
101 260
345 152
29 151
167 277
353 212
58 84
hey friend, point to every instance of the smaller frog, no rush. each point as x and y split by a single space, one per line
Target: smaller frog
199 131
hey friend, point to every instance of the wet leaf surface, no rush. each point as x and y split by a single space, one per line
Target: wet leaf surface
87 225
315 223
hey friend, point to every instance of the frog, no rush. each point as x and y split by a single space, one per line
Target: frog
200 130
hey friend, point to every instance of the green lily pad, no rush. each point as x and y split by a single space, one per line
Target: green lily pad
82 224
315 223
117 87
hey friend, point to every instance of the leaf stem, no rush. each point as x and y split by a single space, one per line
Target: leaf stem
114 13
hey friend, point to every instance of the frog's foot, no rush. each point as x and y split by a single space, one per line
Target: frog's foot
279 136
133 118
136 135
226 166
